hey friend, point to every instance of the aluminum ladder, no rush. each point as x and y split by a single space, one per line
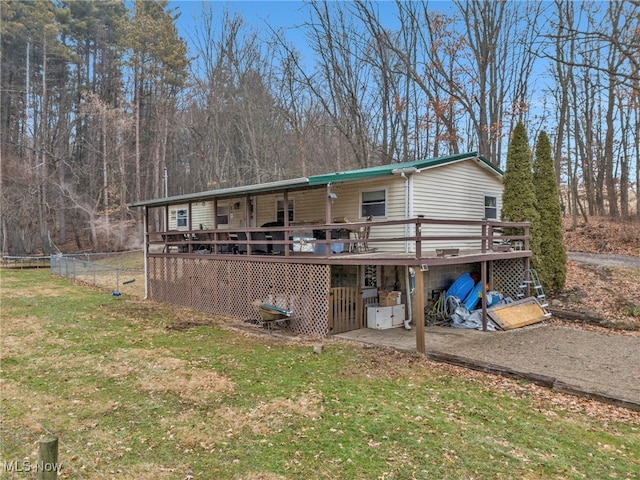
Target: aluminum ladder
531 282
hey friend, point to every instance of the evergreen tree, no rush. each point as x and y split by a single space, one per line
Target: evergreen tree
519 198
554 270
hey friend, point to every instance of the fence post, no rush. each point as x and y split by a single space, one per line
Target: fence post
47 466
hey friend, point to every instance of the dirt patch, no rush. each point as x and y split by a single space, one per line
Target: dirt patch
195 385
10 292
603 274
224 423
601 295
24 334
603 235
157 371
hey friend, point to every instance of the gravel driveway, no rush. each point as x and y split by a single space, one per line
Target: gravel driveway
606 260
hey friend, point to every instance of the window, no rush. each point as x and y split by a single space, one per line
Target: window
490 207
223 215
373 204
280 211
182 218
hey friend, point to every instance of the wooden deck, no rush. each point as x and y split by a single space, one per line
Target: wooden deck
426 260
484 242
278 263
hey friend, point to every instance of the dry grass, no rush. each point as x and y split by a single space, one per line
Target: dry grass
136 395
611 295
603 235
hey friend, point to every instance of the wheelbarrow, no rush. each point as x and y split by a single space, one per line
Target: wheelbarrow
272 315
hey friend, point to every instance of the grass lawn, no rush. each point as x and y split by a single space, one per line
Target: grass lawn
139 390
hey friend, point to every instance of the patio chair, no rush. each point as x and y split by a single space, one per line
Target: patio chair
362 237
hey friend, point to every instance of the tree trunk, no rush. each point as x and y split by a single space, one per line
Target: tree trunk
609 178
105 178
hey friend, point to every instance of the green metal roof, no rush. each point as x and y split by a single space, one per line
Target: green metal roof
225 192
318 180
383 170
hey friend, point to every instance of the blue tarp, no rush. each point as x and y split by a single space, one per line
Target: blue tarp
471 300
461 287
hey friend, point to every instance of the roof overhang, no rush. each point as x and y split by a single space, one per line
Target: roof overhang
291 184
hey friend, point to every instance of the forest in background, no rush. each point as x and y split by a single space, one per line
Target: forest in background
100 97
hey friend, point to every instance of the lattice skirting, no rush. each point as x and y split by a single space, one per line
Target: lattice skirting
507 276
230 287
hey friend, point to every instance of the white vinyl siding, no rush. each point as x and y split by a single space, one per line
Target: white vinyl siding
310 206
202 213
450 191
348 205
455 192
266 207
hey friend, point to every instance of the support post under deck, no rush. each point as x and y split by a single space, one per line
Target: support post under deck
418 310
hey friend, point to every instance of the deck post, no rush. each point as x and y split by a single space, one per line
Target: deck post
418 310
360 311
483 299
328 217
484 236
418 238
286 233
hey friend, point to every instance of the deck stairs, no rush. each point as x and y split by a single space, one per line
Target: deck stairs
531 285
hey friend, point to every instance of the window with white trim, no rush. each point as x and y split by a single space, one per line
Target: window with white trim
280 211
373 203
182 218
223 215
490 207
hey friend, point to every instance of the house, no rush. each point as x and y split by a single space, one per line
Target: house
326 246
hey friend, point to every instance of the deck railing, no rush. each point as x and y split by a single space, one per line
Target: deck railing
483 236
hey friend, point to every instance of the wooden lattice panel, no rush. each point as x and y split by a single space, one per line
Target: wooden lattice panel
507 276
230 287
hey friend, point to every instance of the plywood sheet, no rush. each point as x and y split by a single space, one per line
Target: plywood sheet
517 314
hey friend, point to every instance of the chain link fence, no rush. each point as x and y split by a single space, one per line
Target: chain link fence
122 272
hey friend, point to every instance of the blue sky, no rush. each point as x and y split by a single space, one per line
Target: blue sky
287 15
257 14
280 13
